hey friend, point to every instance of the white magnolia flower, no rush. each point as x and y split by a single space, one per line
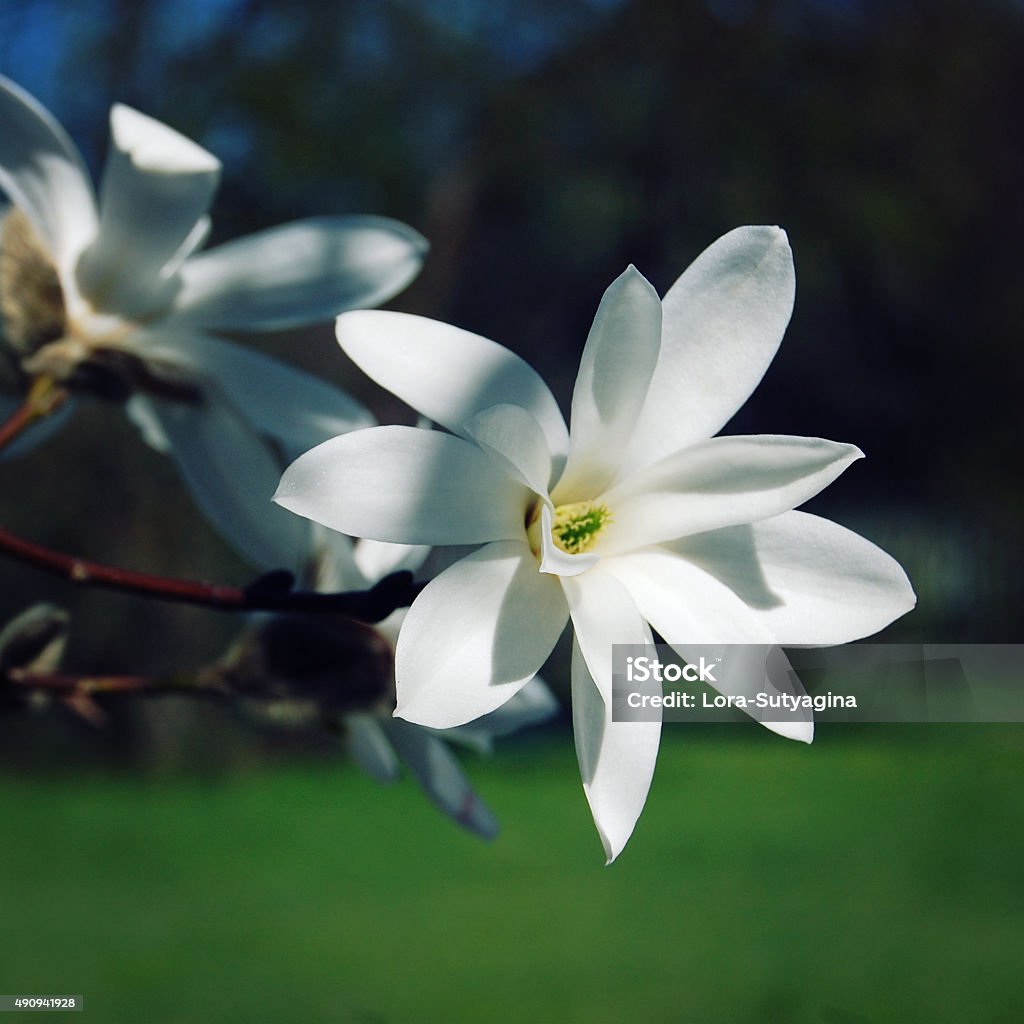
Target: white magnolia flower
639 519
112 293
379 742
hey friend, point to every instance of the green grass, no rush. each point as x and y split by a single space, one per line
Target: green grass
876 876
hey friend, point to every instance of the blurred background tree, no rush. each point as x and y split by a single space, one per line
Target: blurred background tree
541 148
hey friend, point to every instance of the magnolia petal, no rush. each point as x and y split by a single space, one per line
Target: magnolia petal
295 408
156 188
616 760
475 635
553 559
718 483
232 474
377 558
369 748
441 778
603 613
407 486
299 273
43 173
691 610
330 566
533 704
723 321
447 374
511 434
614 375
807 580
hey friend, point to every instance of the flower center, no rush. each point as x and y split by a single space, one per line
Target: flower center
575 528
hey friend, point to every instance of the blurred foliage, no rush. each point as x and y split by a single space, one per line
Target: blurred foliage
873 878
541 148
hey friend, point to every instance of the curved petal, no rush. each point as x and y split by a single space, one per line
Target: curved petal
616 758
691 610
553 559
232 474
330 566
475 635
156 188
445 373
405 485
43 173
533 704
297 409
368 746
299 273
723 321
721 482
512 435
808 581
441 778
377 558
614 375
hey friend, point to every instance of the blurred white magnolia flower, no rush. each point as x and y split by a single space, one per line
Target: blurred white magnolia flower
112 294
378 741
638 519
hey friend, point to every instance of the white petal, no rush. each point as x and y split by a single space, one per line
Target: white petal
331 566
475 635
300 273
722 324
511 434
157 186
232 474
616 759
611 386
369 747
445 373
139 410
533 704
553 559
685 604
721 482
808 581
441 778
377 558
407 486
295 408
42 172
692 610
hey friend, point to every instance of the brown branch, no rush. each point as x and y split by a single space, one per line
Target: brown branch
272 592
67 683
44 397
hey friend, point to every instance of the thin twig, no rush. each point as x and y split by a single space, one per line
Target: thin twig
272 592
66 683
268 593
44 397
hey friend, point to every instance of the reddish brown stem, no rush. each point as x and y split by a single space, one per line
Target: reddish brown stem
78 570
44 397
272 592
64 682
